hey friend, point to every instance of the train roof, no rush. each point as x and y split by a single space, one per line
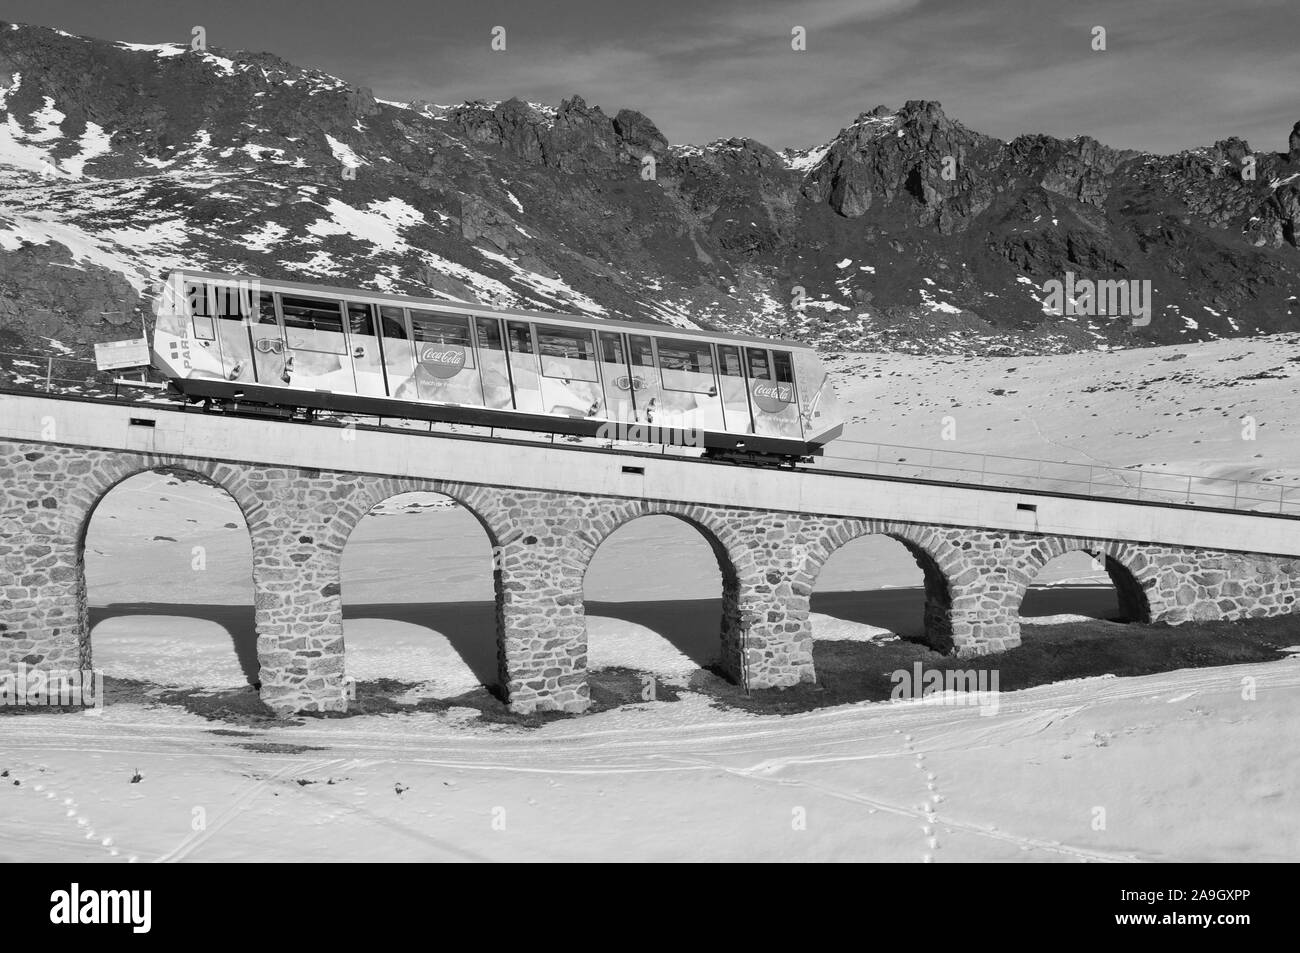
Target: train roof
474 308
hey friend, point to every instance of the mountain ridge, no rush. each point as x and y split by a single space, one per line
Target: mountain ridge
906 231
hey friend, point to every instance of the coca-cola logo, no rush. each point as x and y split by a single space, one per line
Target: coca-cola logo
442 360
772 398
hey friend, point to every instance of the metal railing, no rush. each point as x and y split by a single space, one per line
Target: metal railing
71 376
1053 476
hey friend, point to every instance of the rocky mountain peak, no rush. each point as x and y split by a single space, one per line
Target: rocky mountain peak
907 230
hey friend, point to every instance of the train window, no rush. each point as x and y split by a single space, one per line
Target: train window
393 321
642 352
266 308
759 367
686 365
361 318
567 353
611 347
729 361
230 302
783 366
449 330
436 328
204 329
312 324
520 336
488 331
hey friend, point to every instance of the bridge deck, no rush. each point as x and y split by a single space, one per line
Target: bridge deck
887 487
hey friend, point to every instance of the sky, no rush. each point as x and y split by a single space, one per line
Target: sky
1175 74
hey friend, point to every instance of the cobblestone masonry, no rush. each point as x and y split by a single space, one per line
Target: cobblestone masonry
300 520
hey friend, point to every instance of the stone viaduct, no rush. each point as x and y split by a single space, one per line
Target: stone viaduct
547 509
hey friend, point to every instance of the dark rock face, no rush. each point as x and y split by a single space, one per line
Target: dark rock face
906 231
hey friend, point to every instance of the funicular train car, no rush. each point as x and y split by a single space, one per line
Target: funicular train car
248 342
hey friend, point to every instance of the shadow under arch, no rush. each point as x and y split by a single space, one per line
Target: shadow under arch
681 622
1131 598
936 619
472 628
239 621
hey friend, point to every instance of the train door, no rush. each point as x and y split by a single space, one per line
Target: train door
616 375
316 347
734 390
772 390
570 379
688 376
399 354
645 378
227 304
494 371
364 346
205 355
524 378
267 338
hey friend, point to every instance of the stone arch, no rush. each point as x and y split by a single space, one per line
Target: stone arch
939 561
481 503
735 562
112 471
1124 563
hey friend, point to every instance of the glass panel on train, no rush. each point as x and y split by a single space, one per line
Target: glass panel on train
444 358
772 389
689 399
492 363
399 354
818 403
367 358
735 390
312 324
268 343
206 357
570 381
645 378
225 304
524 376
317 356
616 377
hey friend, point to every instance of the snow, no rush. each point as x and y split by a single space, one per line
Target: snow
158 49
555 289
902 781
940 306
844 264
93 142
514 201
262 238
85 247
805 160
380 223
15 81
224 66
887 781
344 154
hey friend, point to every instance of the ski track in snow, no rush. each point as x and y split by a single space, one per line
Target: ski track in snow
765 753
